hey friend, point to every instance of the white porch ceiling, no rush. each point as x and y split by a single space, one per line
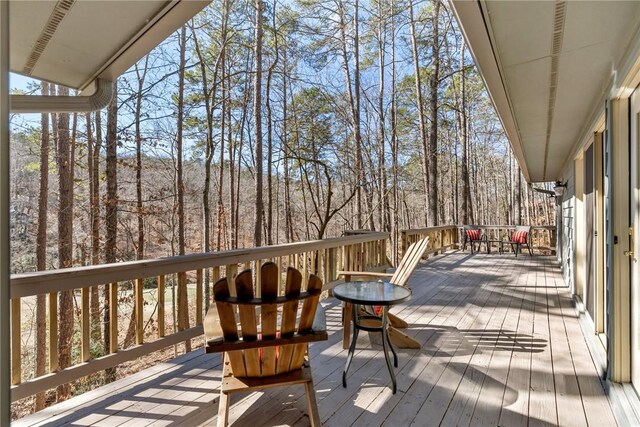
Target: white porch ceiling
74 42
547 66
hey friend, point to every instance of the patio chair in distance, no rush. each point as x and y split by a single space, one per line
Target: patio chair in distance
268 347
521 238
405 268
473 234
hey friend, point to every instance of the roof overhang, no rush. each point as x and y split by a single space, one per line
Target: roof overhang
548 67
76 42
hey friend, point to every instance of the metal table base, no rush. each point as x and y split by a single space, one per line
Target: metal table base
357 326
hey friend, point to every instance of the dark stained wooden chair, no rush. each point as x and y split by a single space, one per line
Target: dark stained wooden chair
405 268
265 340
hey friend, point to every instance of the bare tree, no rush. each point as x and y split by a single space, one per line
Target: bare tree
421 113
65 242
41 250
183 309
257 116
434 79
110 212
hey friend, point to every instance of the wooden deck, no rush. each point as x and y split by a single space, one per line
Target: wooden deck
501 346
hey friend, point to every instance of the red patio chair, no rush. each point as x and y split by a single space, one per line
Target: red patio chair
521 238
473 234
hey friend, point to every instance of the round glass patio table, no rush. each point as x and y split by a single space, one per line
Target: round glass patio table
379 293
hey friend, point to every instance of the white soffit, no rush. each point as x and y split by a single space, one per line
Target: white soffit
547 66
74 42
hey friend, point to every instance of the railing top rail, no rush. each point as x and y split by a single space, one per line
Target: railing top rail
533 227
40 282
411 231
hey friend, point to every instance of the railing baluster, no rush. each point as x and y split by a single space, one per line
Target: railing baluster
16 344
139 310
85 326
257 287
113 317
199 278
332 264
214 278
161 307
183 302
53 332
279 262
305 269
403 235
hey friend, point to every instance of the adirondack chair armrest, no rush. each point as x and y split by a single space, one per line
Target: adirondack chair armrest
212 330
349 274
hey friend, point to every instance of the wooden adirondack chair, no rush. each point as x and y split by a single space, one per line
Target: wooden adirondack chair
407 265
268 346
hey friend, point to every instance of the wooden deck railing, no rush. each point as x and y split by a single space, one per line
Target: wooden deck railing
543 237
359 250
362 251
440 238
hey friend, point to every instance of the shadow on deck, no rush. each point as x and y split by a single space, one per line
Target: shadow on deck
501 346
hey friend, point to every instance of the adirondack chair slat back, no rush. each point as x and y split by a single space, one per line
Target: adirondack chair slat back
256 320
409 262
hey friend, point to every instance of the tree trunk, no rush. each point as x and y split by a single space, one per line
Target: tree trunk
285 148
111 213
354 101
65 244
269 225
421 114
257 115
183 306
41 251
384 213
94 303
434 78
139 210
394 142
209 98
140 77
467 206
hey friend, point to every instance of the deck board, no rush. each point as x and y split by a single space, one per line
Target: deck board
501 346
